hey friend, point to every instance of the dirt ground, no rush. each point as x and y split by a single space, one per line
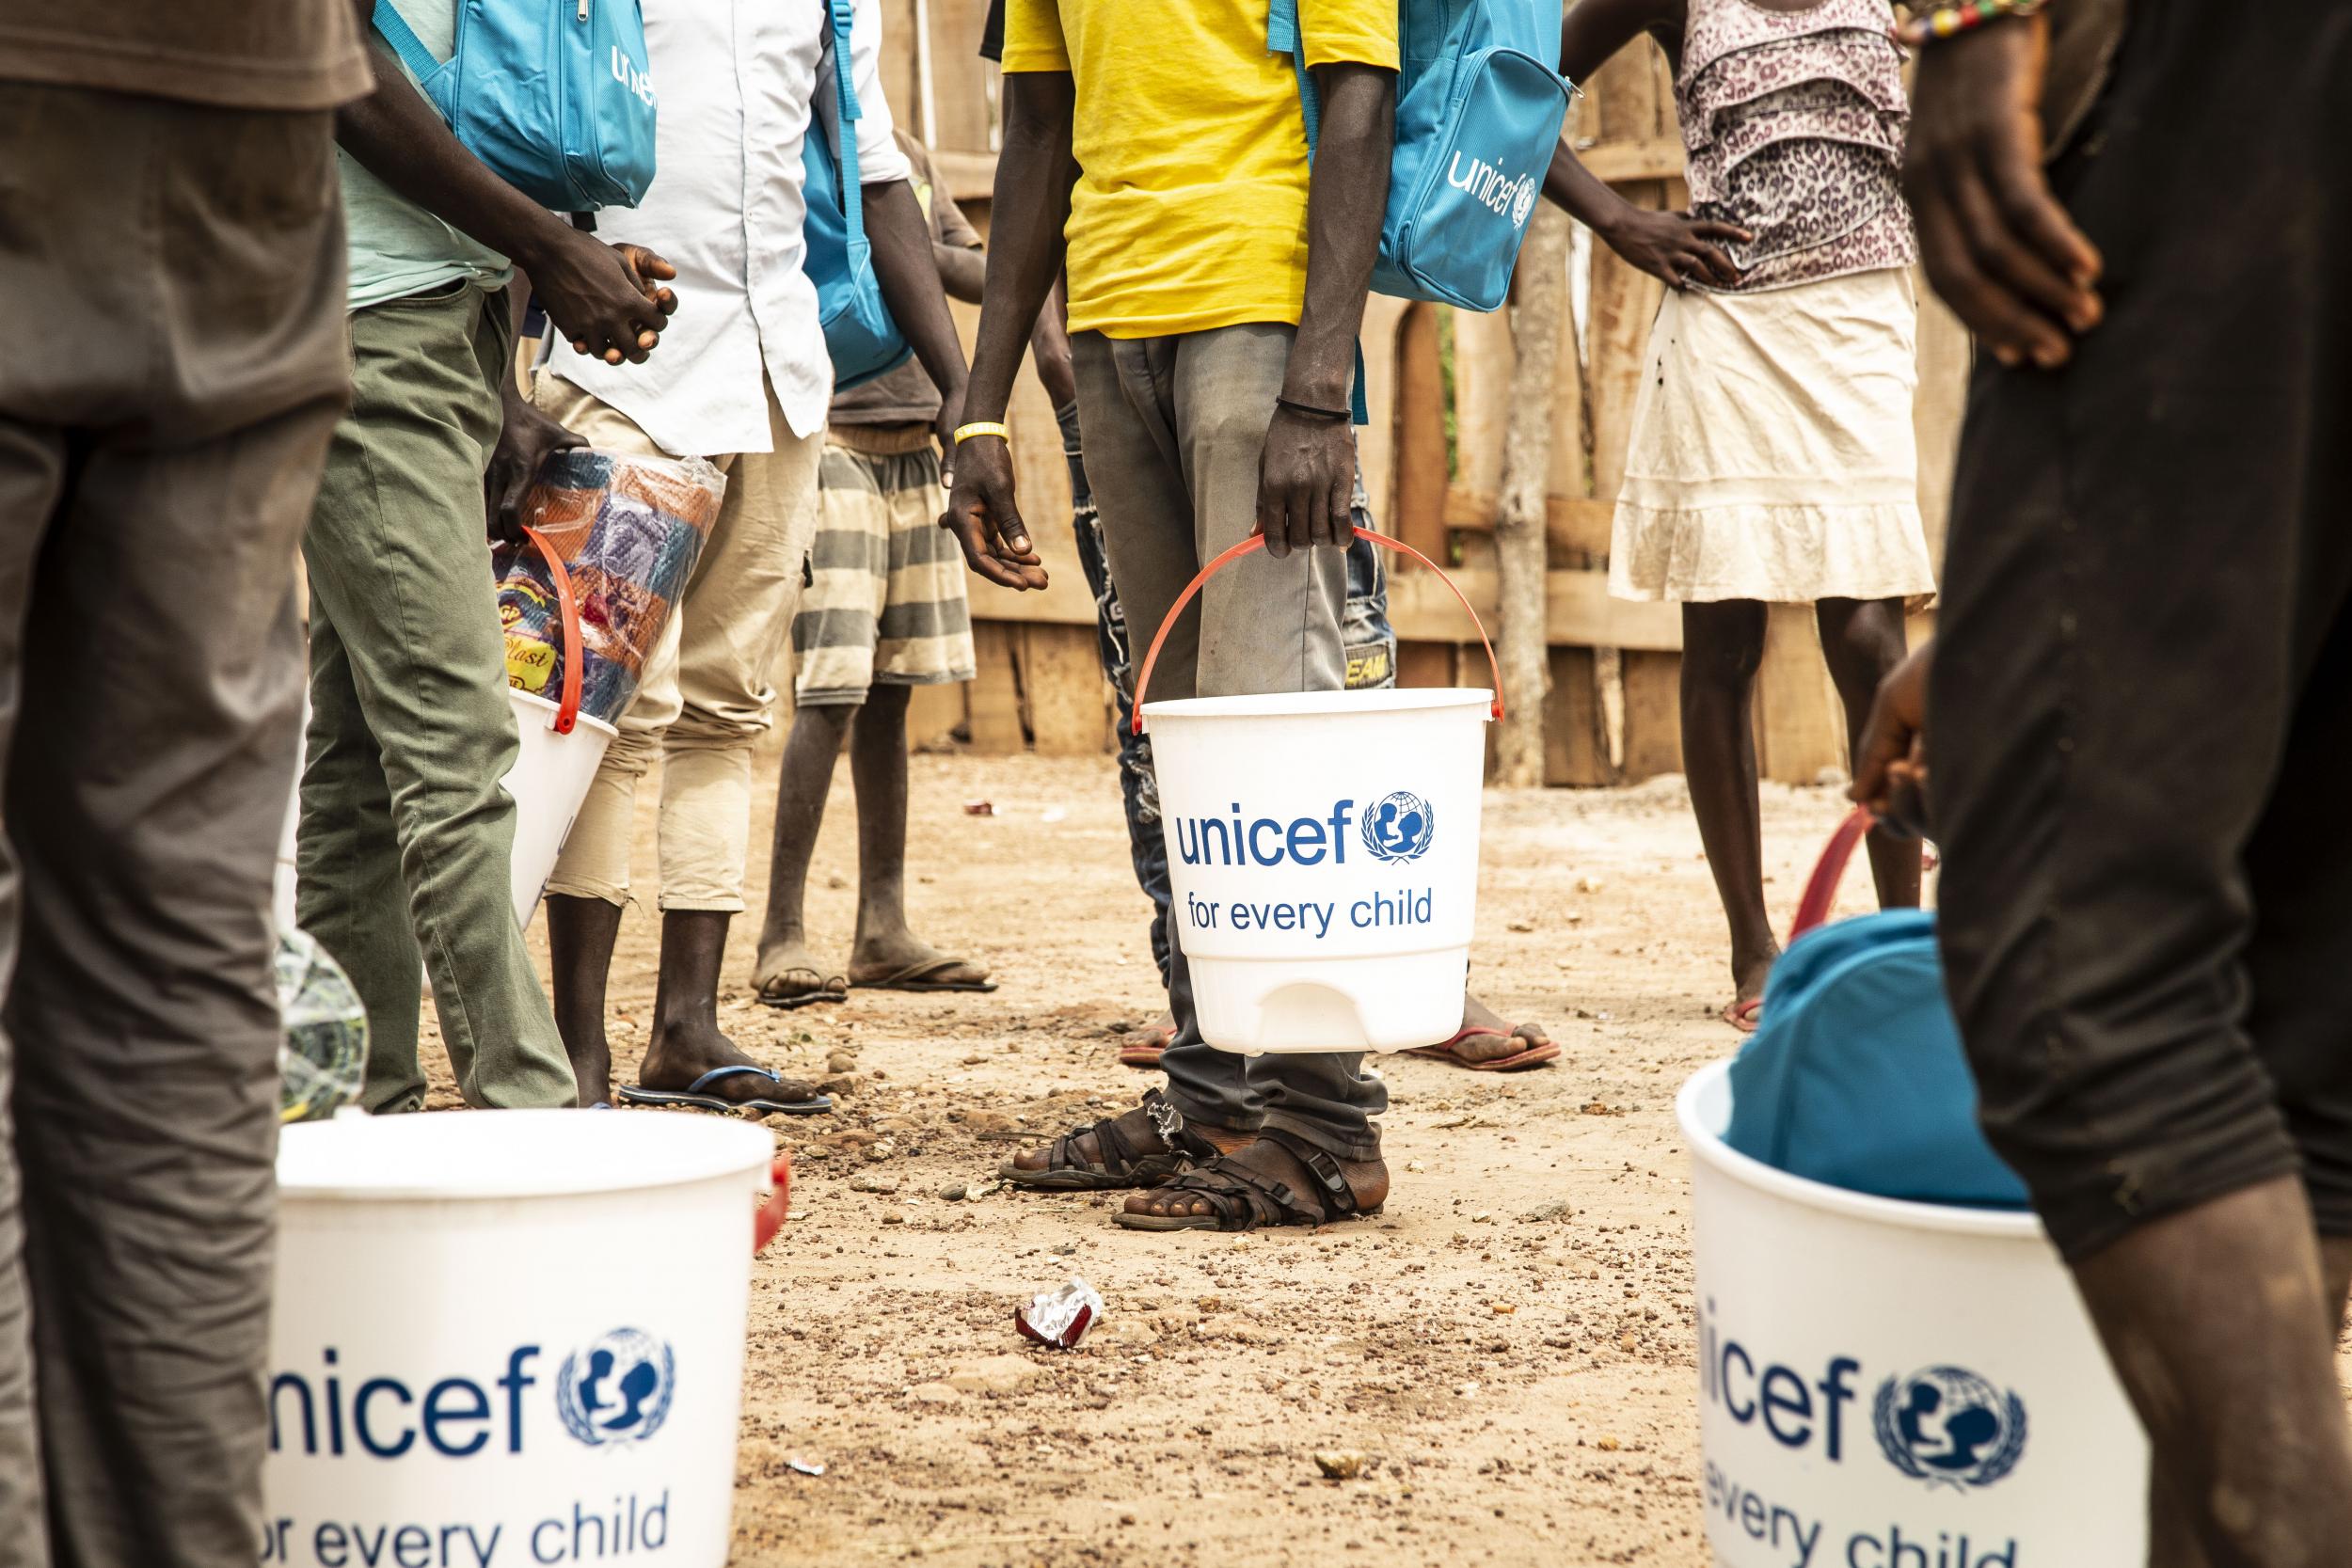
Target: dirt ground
1510 1344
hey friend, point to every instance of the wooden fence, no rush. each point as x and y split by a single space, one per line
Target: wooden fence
1438 383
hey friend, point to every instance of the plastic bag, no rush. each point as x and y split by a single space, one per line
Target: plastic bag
629 531
323 1054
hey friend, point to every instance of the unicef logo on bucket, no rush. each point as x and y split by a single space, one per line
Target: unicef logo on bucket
617 1392
1399 826
1946 1426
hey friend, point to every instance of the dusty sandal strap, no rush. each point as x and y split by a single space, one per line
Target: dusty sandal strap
1123 1163
1243 1200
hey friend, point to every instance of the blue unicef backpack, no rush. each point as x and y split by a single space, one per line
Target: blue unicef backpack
555 96
860 335
1478 113
1854 1076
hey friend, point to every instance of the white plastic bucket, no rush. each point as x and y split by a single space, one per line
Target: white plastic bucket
1893 1385
1323 855
549 783
471 1363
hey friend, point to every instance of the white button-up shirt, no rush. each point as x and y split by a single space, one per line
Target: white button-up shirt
737 80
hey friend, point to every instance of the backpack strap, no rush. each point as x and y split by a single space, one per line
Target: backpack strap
1282 37
404 39
840 16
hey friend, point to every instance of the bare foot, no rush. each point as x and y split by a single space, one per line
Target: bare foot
1268 1162
790 969
890 955
1144 1047
1493 1035
1749 972
680 1054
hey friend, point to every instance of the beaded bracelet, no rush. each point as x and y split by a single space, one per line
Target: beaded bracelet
1951 20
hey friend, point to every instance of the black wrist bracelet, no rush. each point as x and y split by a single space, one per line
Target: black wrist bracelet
1312 411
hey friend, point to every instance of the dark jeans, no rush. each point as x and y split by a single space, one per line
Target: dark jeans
166 403
1371 663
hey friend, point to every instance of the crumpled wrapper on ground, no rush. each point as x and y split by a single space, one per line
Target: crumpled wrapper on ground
323 1054
1062 1317
629 531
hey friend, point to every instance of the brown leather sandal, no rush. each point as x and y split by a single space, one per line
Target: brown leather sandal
1244 1200
1124 1164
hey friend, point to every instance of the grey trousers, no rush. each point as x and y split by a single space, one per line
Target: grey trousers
165 407
1174 430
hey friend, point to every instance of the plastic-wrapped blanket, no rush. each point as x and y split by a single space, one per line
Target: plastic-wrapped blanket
323 1054
629 531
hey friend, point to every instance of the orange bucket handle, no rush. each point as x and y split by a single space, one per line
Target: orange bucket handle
1257 542
568 607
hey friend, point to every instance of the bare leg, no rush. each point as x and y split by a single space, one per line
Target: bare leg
878 767
581 934
686 1040
2218 1322
1722 645
787 967
1863 639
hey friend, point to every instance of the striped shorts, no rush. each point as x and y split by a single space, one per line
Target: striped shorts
885 600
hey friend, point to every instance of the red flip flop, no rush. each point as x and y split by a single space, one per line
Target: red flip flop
1745 1016
1145 1048
1535 1055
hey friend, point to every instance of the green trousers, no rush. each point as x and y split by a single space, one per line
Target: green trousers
405 834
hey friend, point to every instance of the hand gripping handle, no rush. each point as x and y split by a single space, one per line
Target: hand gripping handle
1257 542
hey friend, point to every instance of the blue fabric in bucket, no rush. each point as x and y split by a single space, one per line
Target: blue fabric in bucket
1856 1076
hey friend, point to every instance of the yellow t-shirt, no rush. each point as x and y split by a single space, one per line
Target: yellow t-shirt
1190 211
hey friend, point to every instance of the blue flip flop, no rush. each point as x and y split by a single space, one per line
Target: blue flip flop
696 1095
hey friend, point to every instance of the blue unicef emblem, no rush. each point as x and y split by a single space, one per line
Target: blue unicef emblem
1946 1426
1399 826
617 1392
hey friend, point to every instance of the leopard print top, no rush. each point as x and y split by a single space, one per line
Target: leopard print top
1793 122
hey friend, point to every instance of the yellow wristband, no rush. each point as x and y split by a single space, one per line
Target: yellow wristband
985 427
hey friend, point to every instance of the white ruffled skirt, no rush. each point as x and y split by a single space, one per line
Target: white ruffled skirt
1771 454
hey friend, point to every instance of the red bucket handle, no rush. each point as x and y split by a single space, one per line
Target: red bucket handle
1820 889
567 607
769 1217
1257 542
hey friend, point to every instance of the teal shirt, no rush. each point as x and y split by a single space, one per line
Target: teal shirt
397 247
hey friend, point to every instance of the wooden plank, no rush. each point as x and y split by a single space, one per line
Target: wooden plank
1422 664
1620 163
995 692
1800 724
1571 522
1622 305
1418 487
1946 352
898 70
968 176
1483 359
1653 714
1579 610
934 713
1376 443
958 78
1575 750
1068 700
